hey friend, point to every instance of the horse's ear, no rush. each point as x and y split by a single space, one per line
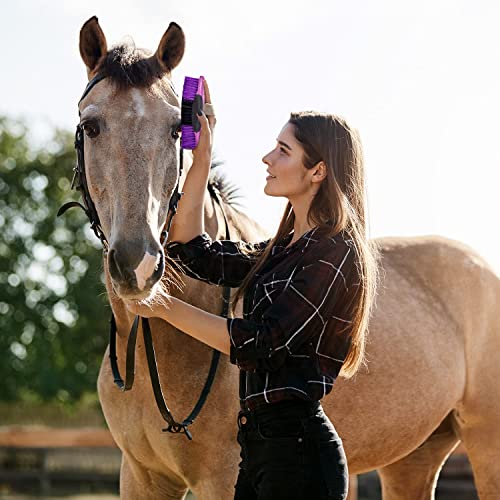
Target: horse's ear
171 48
93 46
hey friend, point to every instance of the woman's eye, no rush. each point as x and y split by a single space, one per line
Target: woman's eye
91 128
282 150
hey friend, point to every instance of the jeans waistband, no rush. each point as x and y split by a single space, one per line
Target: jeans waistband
286 408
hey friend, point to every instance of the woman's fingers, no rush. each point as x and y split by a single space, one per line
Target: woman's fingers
211 118
207 91
211 121
141 309
203 119
205 122
204 146
156 309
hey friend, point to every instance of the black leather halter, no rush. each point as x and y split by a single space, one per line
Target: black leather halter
80 178
80 182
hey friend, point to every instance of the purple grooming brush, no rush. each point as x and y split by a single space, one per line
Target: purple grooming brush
193 99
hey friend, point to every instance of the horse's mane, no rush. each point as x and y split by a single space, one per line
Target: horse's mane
219 182
127 66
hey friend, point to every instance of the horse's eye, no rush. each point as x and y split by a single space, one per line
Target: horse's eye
91 128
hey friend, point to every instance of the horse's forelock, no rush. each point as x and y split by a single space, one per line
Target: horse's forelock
127 66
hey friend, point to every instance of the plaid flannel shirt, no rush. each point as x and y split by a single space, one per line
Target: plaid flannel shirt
287 344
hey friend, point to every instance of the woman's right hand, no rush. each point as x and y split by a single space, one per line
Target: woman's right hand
203 150
189 220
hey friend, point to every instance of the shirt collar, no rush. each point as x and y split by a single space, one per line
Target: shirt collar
278 247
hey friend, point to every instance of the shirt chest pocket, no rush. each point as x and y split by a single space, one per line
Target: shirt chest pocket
275 284
271 286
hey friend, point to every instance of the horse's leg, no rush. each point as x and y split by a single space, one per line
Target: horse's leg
138 482
480 434
215 489
477 418
414 477
483 444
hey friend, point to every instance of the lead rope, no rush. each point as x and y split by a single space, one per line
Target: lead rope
173 426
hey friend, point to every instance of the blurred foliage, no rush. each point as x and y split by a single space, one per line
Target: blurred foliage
84 413
53 307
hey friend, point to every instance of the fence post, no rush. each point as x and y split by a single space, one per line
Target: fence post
45 485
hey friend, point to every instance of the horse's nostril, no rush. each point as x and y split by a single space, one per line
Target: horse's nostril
135 268
114 267
118 265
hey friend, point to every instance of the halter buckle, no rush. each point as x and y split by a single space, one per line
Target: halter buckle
176 428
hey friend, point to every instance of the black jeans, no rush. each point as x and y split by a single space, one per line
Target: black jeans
290 450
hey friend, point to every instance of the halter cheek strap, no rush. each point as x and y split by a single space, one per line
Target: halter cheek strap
80 180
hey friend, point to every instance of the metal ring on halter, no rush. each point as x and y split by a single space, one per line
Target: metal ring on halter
208 109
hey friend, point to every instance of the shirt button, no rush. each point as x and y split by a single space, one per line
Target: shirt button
300 440
243 420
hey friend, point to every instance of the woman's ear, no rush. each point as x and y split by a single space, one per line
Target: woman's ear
319 172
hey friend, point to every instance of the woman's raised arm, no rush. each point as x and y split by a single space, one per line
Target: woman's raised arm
188 222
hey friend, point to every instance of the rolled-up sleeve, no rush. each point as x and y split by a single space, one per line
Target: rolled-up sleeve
297 315
219 262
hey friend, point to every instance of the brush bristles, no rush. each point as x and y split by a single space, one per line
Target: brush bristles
190 88
188 137
187 112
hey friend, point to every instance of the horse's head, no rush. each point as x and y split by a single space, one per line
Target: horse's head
130 121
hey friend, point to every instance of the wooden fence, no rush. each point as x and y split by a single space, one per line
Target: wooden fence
44 460
48 460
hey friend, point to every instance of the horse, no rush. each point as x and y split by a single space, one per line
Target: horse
430 380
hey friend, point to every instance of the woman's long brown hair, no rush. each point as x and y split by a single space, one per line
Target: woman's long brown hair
339 205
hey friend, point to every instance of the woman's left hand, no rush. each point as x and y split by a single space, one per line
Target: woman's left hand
156 308
199 324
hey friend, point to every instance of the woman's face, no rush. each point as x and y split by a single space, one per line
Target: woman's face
287 174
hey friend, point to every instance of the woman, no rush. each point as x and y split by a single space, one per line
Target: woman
307 295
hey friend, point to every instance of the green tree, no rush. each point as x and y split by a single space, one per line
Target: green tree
53 307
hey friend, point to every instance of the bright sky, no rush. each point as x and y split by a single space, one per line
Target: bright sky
420 80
